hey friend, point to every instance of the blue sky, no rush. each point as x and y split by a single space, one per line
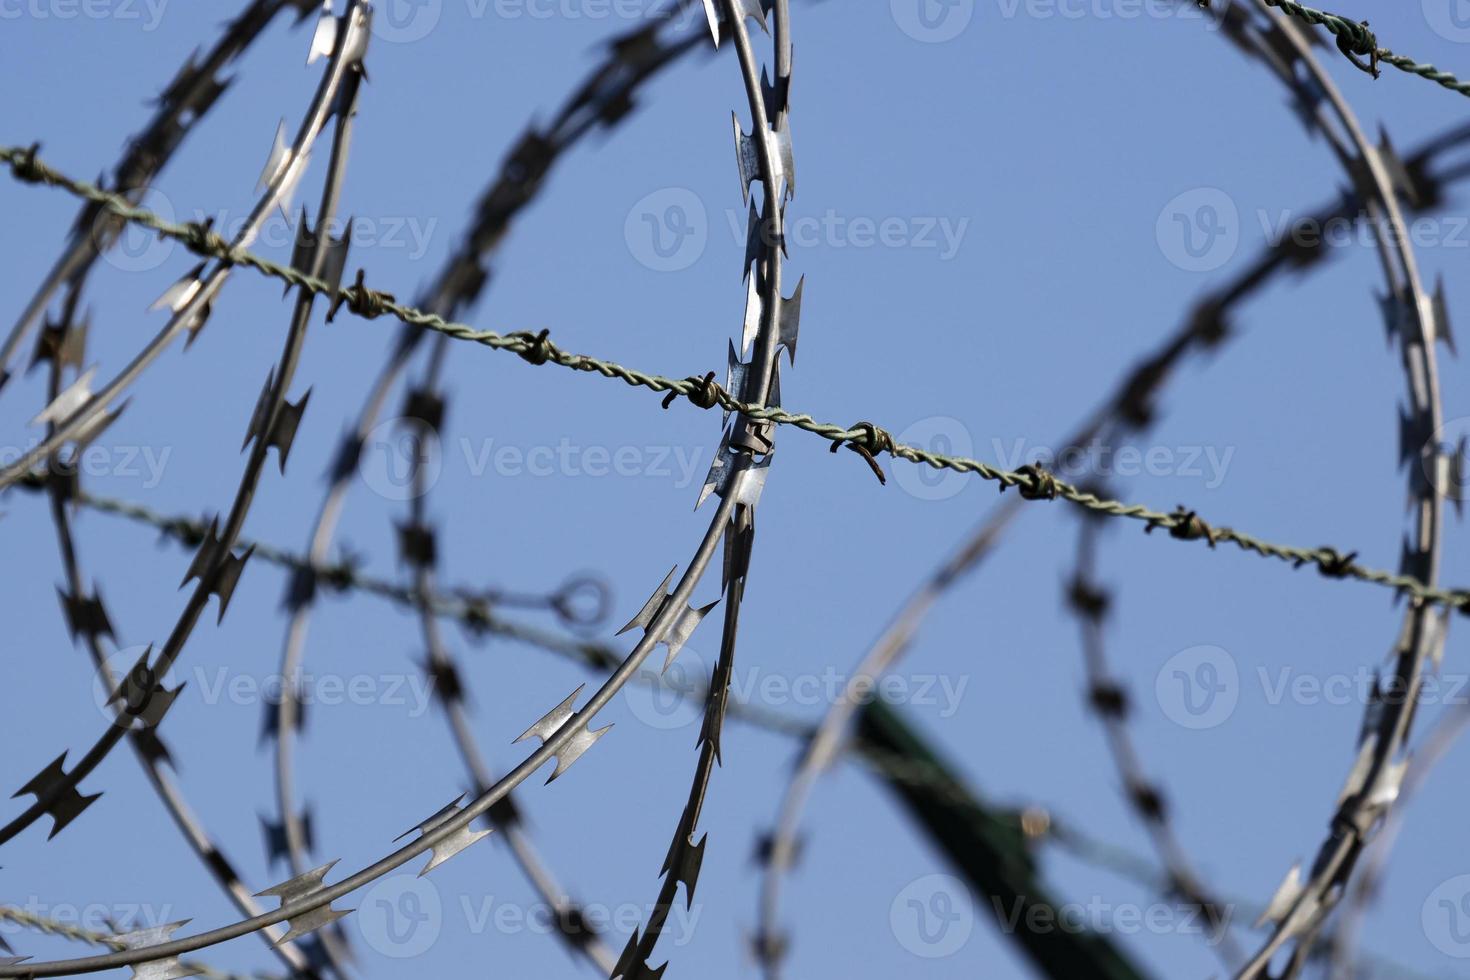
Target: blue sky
985 219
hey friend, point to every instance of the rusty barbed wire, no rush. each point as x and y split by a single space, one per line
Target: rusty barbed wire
1180 524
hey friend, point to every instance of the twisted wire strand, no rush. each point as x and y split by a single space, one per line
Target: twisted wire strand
1181 524
341 72
1354 38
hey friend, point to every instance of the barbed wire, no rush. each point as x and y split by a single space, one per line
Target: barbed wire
1355 40
76 933
1109 702
1300 907
752 391
80 414
183 104
601 101
1180 524
602 656
1203 328
87 619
